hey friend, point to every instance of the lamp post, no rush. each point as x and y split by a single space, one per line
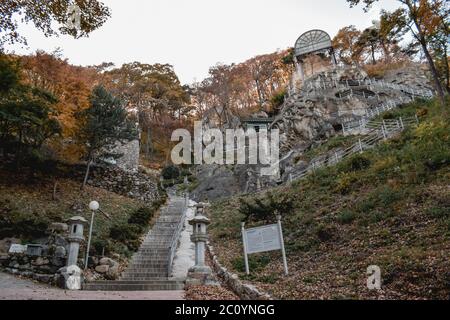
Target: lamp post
94 206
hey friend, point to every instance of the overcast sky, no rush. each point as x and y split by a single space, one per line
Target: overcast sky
193 35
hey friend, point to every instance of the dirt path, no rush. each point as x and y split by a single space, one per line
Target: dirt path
13 288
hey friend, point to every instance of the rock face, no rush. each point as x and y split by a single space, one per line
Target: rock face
313 114
309 117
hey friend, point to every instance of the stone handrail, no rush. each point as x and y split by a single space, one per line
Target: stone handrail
175 238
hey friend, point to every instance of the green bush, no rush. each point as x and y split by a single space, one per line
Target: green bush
325 232
124 232
98 245
128 234
441 212
277 99
170 172
346 217
255 262
264 210
16 224
142 216
357 162
387 195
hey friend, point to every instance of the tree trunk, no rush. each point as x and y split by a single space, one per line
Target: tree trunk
434 72
373 54
55 189
387 56
88 167
421 37
19 152
447 70
260 97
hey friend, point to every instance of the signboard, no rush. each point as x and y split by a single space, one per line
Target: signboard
17 248
262 239
34 250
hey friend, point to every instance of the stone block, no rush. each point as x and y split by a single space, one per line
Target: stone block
40 261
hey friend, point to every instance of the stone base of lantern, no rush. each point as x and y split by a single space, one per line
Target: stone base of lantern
70 278
200 276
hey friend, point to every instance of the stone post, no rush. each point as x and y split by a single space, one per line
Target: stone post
200 273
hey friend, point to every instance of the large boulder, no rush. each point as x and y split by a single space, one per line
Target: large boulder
102 268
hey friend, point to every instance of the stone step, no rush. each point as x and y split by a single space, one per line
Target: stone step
149 261
147 248
147 258
151 285
132 269
146 265
142 275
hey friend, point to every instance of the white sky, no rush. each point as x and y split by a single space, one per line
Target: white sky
194 35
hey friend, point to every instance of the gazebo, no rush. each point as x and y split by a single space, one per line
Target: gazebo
257 123
312 42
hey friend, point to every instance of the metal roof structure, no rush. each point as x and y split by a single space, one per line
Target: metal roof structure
258 120
312 41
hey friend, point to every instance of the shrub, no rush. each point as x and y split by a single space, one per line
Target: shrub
16 224
170 172
346 217
98 245
345 181
264 210
441 212
277 99
325 232
358 162
124 232
128 234
387 196
255 262
142 216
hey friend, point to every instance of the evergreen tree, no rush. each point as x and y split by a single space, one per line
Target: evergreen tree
27 115
105 123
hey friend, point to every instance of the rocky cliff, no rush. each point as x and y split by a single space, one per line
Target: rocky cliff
312 115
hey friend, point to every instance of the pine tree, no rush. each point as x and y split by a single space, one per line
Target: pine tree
105 123
27 114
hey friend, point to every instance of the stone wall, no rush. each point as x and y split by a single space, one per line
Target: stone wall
47 266
43 268
129 161
243 290
132 184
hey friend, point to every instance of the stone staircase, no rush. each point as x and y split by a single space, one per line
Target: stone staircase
149 268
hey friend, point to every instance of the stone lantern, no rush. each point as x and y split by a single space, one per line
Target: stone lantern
71 275
76 236
199 274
